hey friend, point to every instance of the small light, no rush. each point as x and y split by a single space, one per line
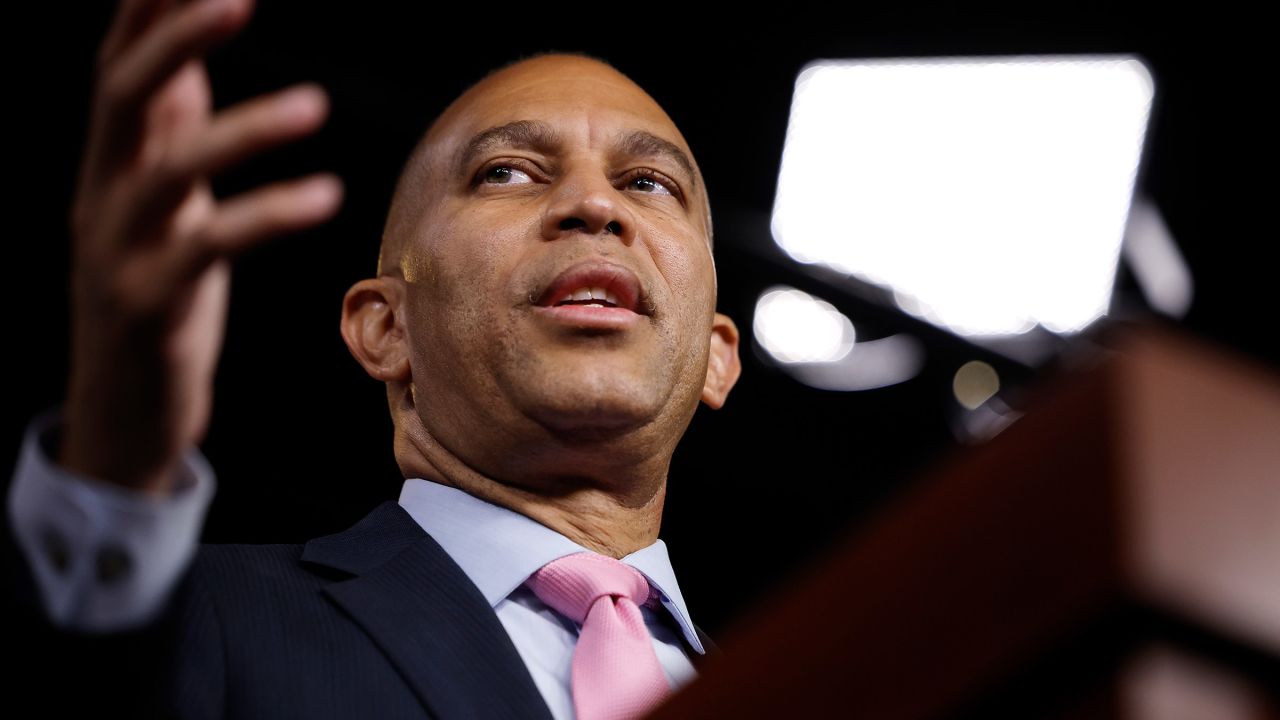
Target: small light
796 327
975 383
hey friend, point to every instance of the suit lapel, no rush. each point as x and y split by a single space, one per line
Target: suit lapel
428 617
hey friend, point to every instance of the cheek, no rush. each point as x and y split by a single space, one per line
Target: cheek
463 301
686 267
473 254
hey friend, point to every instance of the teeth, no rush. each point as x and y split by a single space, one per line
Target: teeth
606 297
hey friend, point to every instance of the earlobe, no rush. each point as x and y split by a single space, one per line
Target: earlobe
373 328
723 365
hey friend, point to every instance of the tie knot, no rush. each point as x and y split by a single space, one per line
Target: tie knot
573 583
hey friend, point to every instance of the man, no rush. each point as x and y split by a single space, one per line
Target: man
543 318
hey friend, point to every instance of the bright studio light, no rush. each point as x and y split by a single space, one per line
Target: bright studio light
794 326
989 194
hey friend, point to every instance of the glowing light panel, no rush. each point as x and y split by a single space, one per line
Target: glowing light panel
989 194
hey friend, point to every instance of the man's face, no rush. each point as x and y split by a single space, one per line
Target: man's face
556 178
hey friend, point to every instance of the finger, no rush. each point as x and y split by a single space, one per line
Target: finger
132 17
250 218
129 84
235 134
255 125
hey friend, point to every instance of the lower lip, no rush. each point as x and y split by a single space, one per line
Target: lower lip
586 316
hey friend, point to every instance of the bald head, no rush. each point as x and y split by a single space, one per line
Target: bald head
415 189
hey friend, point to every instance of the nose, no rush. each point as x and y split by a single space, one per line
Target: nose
586 202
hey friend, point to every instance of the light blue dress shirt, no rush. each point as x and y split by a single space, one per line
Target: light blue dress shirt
499 549
64 523
69 525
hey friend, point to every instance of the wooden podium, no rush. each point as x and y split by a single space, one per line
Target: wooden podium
1114 553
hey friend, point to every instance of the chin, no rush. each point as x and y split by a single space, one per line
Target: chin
595 404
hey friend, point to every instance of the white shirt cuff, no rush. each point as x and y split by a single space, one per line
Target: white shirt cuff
104 558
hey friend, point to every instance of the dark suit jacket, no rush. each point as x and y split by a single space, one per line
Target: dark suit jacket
376 621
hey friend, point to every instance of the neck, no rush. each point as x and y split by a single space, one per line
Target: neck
607 505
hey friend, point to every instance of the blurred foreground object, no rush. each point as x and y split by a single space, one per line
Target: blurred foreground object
1115 552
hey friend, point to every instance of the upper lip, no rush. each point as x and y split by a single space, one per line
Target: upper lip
595 274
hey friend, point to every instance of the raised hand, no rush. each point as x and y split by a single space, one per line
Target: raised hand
152 245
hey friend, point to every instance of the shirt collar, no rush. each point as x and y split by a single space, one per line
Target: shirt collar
499 548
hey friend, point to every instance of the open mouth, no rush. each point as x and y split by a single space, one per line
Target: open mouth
595 296
595 285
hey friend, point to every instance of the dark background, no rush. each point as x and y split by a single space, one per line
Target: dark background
301 438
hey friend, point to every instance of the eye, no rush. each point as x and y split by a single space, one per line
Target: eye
502 175
650 182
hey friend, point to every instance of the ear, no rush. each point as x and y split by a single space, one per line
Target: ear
373 326
723 366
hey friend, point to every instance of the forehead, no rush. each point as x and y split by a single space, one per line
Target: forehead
581 99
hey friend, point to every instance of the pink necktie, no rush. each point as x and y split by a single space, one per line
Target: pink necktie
616 674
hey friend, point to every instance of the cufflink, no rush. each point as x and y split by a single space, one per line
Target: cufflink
112 564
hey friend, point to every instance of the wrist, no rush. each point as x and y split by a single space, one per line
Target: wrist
105 461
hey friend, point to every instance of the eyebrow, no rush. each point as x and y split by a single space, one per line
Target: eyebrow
639 143
524 134
540 137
